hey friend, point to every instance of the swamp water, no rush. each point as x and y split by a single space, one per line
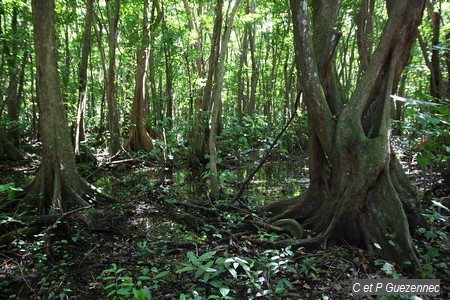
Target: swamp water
277 180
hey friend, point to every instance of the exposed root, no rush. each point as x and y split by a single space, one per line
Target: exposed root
374 214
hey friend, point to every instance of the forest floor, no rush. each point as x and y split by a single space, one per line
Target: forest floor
164 240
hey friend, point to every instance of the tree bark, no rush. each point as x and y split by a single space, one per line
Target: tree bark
57 187
12 98
168 42
101 126
198 139
358 191
82 78
139 139
201 131
243 63
436 80
217 98
255 71
113 114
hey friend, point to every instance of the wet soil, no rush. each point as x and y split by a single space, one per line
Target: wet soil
162 214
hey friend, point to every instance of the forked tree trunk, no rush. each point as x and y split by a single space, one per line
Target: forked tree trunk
201 130
358 190
139 139
217 100
57 187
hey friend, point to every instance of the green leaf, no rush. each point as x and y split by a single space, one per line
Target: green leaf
144 278
185 269
421 230
432 253
110 286
148 294
440 205
224 291
233 272
199 273
161 274
109 278
5 187
423 160
191 256
123 292
216 283
207 255
156 150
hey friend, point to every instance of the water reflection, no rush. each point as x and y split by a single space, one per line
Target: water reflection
274 181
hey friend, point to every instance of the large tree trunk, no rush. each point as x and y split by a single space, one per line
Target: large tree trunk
57 187
139 139
358 190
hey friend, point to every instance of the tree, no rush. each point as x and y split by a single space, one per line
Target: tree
438 88
221 51
10 138
58 187
113 114
82 77
139 139
358 190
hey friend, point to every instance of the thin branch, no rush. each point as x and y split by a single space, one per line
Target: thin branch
268 152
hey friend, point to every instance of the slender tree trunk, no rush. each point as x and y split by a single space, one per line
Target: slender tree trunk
67 57
113 113
447 65
168 41
364 30
255 70
12 98
101 126
436 80
139 139
10 139
243 64
82 78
